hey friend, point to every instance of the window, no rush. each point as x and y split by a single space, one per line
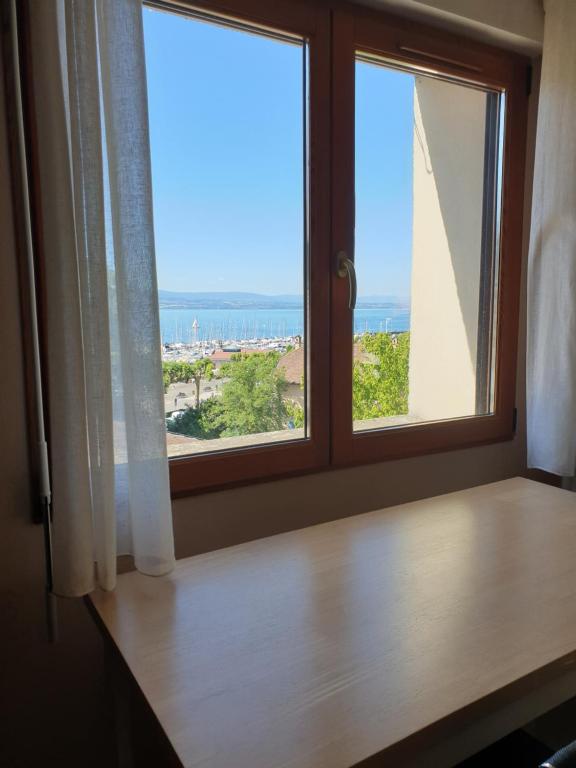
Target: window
229 159
427 171
301 156
239 119
427 189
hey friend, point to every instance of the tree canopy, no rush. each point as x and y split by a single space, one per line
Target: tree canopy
252 398
253 393
202 422
380 387
251 401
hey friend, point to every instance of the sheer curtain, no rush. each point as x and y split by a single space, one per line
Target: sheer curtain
110 484
551 359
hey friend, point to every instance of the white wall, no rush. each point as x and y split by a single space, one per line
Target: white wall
448 174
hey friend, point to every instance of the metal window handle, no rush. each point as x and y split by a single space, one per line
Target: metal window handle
345 268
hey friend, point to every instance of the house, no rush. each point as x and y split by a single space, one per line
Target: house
292 366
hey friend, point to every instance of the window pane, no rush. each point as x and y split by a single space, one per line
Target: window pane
427 202
228 140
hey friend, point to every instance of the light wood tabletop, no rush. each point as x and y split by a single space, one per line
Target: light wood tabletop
376 635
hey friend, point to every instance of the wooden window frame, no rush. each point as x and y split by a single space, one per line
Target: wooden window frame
210 471
416 45
334 31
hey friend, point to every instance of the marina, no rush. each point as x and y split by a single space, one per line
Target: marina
195 350
189 334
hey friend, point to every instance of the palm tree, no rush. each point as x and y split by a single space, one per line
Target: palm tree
200 370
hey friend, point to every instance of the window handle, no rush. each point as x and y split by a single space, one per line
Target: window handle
345 268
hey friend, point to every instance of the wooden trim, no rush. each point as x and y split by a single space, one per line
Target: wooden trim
213 471
343 210
418 45
18 194
267 472
36 213
516 117
296 17
408 43
424 438
125 697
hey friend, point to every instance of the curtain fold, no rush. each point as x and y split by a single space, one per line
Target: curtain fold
551 353
108 452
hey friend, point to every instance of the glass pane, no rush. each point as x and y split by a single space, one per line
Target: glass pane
228 111
427 217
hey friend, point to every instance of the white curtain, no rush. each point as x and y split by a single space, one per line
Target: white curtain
110 484
551 361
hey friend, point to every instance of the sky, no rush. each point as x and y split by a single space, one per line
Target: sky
226 133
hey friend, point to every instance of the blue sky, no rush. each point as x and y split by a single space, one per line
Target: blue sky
384 130
226 139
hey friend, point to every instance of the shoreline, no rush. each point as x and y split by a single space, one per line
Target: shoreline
180 351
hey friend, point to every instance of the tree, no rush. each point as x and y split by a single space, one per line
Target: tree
198 371
174 372
380 388
202 422
294 413
252 398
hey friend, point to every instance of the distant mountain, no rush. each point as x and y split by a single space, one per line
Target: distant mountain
393 302
243 300
226 300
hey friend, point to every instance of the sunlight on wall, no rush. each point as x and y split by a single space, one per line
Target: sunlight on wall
449 126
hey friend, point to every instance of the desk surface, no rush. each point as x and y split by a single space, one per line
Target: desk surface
322 647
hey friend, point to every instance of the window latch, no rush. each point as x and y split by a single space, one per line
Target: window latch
345 268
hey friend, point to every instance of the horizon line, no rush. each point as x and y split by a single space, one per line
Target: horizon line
272 295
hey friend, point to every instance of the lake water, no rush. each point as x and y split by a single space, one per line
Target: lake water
176 325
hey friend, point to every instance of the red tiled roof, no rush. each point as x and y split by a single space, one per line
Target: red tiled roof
292 363
221 355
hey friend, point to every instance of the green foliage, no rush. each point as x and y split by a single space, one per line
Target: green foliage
175 372
380 388
294 413
252 398
251 401
201 422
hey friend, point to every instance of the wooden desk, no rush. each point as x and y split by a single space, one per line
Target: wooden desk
415 634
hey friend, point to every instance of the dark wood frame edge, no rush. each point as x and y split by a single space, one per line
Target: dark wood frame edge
381 34
200 473
18 194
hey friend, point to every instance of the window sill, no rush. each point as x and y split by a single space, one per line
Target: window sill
181 446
